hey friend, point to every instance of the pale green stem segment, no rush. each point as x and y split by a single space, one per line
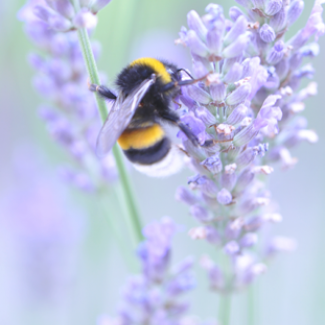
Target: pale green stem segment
126 186
114 226
224 309
252 308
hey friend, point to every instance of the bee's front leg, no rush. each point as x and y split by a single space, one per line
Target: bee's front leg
103 91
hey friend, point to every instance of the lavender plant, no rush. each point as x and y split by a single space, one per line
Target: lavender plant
71 117
60 29
246 115
248 110
155 296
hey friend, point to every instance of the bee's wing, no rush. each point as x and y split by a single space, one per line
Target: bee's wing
119 118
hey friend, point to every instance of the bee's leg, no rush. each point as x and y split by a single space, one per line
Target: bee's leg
182 69
175 84
102 91
171 117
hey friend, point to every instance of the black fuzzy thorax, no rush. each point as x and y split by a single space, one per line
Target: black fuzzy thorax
132 76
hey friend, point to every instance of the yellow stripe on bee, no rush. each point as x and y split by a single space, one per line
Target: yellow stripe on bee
141 138
156 65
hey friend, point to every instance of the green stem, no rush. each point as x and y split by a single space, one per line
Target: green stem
126 186
251 305
115 229
224 309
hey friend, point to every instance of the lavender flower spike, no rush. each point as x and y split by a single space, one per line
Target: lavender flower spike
255 105
62 77
154 296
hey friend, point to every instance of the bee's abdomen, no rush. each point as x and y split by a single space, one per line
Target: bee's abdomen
145 145
149 155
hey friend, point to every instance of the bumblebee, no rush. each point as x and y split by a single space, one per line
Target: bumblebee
145 91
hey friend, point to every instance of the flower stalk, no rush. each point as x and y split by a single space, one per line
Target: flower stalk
127 192
225 309
128 198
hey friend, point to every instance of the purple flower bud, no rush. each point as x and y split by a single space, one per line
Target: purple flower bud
310 50
180 284
61 45
238 114
196 125
246 157
294 12
282 154
273 7
259 3
228 63
205 116
282 69
228 180
63 7
45 86
199 69
183 266
213 164
200 213
254 203
195 23
244 179
215 274
184 195
254 223
59 23
239 27
43 12
187 100
239 95
232 248
276 53
235 13
99 5
245 3
254 271
249 240
216 11
267 33
198 94
224 197
234 73
85 19
277 22
37 62
234 228
237 47
246 135
214 39
195 44
212 235
218 91
203 183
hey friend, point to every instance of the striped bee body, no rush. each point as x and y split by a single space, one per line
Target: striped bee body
146 88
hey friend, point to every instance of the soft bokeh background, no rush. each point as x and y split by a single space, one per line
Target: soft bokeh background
58 262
